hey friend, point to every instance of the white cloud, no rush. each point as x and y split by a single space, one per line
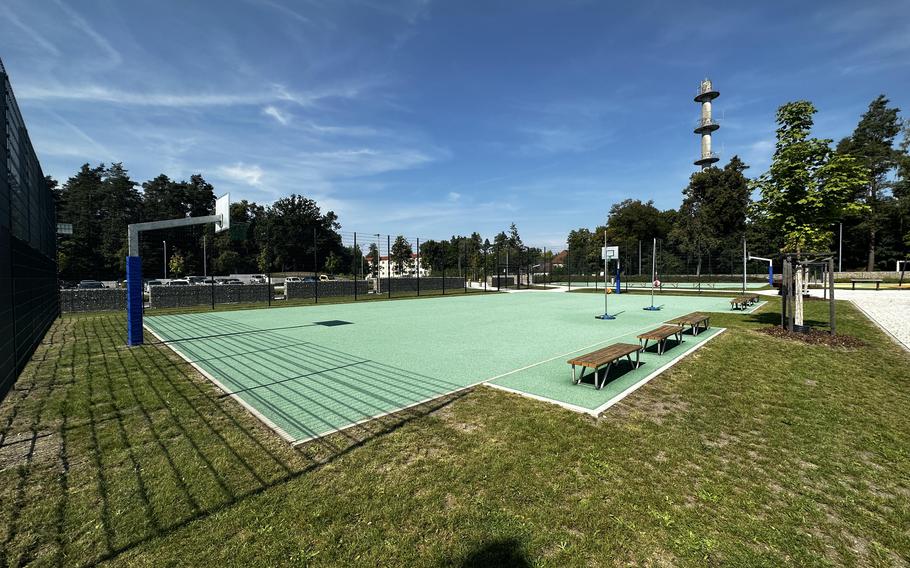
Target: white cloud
242 173
454 196
277 114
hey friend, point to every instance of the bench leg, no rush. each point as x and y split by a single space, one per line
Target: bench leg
603 381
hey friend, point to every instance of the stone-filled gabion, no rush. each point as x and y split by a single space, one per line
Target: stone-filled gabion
434 283
304 290
181 296
92 300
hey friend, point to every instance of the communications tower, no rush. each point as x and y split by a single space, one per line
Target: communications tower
706 124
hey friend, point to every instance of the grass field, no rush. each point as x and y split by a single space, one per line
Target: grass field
752 451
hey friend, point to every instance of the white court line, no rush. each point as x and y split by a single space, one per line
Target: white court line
597 411
640 383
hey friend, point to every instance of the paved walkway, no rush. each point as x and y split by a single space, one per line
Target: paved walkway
890 309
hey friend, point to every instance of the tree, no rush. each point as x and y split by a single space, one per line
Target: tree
79 204
712 216
119 205
300 232
176 264
373 259
872 144
808 187
332 263
401 254
433 255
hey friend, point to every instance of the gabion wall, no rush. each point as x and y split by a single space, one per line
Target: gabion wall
92 300
410 284
304 290
181 296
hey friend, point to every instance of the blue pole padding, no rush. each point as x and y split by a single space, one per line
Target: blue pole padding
617 279
134 300
770 274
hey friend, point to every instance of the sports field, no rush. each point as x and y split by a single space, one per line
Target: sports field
309 371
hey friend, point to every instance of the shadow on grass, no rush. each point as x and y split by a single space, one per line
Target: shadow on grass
503 553
134 444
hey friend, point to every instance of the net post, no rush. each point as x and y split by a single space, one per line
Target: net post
134 300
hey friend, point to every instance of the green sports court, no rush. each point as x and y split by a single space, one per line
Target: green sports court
310 371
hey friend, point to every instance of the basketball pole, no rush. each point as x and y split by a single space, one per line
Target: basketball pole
606 315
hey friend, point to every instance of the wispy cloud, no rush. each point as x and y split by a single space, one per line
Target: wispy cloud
97 93
31 33
242 173
113 55
277 114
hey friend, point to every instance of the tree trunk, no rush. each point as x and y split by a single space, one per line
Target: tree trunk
798 296
870 265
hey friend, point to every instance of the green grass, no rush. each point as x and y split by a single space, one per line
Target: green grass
753 451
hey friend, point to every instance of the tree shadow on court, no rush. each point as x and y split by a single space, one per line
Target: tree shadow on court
137 444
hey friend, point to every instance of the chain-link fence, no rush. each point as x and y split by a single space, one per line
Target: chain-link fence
28 269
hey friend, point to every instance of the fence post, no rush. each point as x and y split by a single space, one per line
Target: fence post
418 266
831 314
359 264
464 265
315 271
388 250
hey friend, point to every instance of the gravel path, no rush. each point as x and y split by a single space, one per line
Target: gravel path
890 309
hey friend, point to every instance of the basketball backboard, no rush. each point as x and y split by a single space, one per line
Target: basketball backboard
223 209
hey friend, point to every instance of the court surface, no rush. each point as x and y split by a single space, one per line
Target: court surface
312 370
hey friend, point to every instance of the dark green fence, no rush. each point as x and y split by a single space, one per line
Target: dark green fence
29 301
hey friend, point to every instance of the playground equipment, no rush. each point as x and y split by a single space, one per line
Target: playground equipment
134 291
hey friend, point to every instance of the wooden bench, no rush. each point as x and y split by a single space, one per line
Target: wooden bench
606 356
742 302
696 321
660 335
877 281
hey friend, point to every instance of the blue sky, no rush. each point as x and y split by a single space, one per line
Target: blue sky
432 118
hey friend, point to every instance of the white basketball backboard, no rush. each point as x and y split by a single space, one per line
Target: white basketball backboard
609 253
223 208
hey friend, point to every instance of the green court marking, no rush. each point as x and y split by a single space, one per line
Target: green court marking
308 371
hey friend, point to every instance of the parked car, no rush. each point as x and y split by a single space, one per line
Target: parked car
178 282
89 285
258 279
293 279
229 281
196 279
325 278
151 283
